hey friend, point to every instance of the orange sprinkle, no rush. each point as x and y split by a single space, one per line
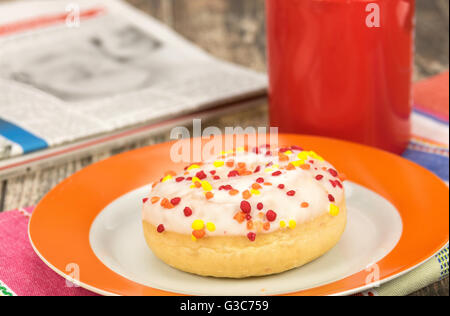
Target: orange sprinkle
250 225
230 163
247 173
199 234
233 192
290 167
305 204
268 184
324 168
242 165
305 166
342 177
256 186
198 184
283 157
261 215
154 184
209 195
166 204
241 171
266 226
240 217
155 199
246 194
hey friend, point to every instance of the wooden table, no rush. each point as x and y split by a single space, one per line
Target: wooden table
235 30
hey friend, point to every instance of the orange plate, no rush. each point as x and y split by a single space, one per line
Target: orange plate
59 227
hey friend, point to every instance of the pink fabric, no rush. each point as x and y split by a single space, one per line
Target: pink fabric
20 268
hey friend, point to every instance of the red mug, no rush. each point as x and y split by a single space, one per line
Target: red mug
342 68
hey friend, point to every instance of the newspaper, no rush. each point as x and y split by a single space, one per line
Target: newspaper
71 70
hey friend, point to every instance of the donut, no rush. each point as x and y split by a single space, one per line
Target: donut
247 213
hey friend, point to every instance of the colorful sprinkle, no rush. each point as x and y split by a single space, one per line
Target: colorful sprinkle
233 173
187 211
255 192
305 205
246 194
282 224
266 226
334 210
175 201
155 199
198 224
331 198
251 236
233 192
192 167
291 193
250 225
206 186
239 217
199 234
319 177
298 163
167 178
160 228
260 206
292 224
201 175
211 227
209 195
179 179
144 200
281 186
246 207
333 172
166 204
230 163
219 163
271 216
276 174
260 180
258 169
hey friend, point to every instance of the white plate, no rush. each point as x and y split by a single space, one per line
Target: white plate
374 228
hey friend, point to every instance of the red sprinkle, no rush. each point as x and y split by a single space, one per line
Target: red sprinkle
276 173
260 206
339 184
291 193
248 217
160 228
251 236
233 173
179 179
297 148
331 198
144 200
258 169
201 175
213 172
319 177
271 216
333 183
246 207
216 178
189 179
187 211
281 186
256 150
283 150
175 201
333 172
260 180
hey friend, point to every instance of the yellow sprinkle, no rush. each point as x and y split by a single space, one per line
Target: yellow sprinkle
240 149
227 152
282 224
211 227
276 166
206 186
167 178
193 186
193 238
193 167
298 163
195 179
303 155
292 224
219 163
198 224
334 210
255 192
288 152
268 170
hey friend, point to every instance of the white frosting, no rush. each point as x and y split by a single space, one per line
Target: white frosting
222 208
